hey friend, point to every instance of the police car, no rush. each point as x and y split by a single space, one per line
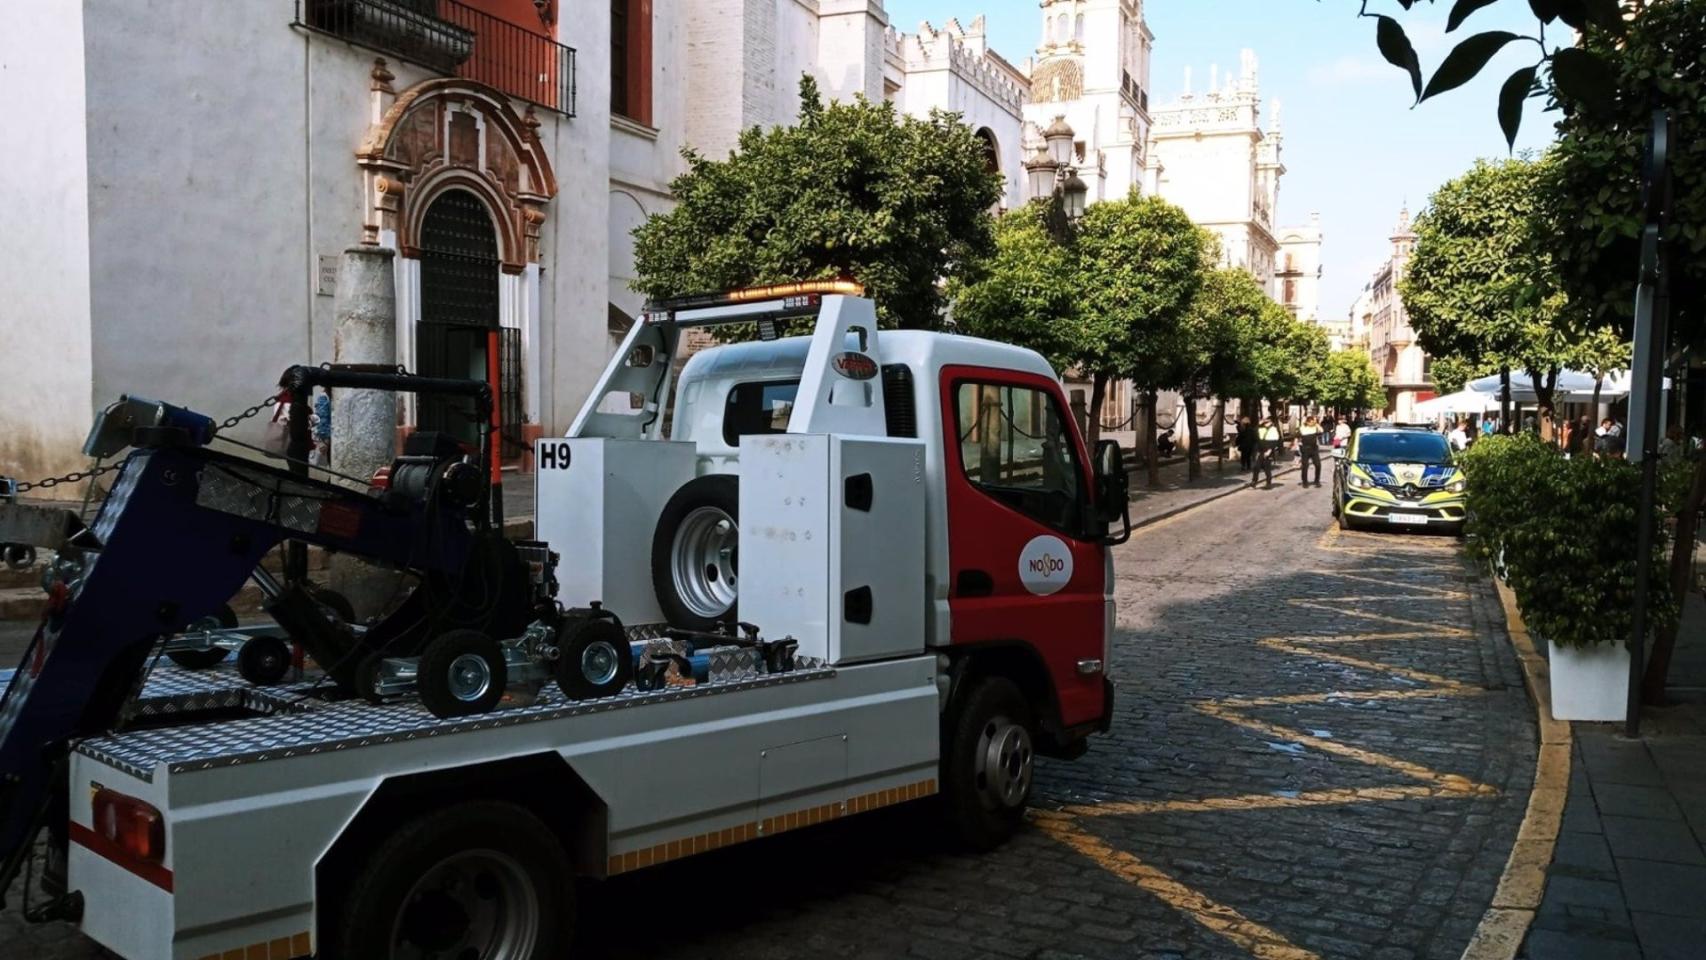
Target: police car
1397 477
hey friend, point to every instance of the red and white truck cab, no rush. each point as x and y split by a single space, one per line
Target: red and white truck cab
917 510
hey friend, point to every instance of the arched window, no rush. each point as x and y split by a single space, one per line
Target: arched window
1078 29
1060 28
991 151
1048 29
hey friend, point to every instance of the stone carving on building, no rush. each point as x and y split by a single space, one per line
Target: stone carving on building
453 133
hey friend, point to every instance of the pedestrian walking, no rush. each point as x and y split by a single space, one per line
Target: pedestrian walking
1246 441
1267 449
1309 449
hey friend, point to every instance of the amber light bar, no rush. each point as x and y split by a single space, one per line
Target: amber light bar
798 290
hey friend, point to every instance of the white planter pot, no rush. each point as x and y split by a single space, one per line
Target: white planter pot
1589 683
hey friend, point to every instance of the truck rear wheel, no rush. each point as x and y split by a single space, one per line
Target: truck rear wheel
695 569
479 879
987 762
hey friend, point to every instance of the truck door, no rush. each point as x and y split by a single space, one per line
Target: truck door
1025 561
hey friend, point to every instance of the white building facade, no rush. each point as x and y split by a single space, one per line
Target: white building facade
1404 367
188 176
1092 69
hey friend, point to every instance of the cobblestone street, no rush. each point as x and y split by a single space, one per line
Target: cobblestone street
1322 749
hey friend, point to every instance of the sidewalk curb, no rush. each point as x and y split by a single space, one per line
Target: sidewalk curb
1505 924
1185 508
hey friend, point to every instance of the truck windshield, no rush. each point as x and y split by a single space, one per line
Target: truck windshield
1408 446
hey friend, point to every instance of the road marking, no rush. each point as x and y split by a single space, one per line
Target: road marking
1220 918
1418 624
1265 801
1216 916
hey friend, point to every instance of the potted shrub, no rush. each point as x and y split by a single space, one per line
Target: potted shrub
1570 559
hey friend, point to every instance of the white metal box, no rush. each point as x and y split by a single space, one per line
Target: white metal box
832 543
597 502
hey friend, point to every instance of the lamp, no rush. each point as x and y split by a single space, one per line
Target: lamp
1076 192
1059 139
1040 172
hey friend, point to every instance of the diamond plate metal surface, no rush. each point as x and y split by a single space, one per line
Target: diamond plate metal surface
298 725
257 496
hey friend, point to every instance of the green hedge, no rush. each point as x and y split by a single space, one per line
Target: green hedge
1562 533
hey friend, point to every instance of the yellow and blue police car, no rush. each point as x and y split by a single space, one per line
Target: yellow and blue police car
1398 478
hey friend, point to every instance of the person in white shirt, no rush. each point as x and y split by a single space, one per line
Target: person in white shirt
1459 437
1342 433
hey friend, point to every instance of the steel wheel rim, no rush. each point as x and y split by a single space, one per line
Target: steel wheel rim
599 663
1003 767
470 677
476 904
703 561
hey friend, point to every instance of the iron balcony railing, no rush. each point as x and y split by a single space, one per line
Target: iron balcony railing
453 38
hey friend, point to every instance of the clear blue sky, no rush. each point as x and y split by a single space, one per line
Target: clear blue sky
1354 149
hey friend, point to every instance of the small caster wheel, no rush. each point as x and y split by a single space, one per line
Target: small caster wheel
367 678
461 673
20 556
263 661
596 660
222 619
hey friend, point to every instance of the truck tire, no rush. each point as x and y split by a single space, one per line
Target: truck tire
987 762
477 879
695 568
462 673
596 661
223 618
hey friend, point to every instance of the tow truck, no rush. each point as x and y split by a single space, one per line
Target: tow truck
913 517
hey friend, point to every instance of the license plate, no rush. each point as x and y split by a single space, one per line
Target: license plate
1415 518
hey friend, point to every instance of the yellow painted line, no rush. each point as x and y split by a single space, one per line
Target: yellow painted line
1229 923
1442 595
1346 696
1451 781
1420 676
1523 883
1382 618
1265 801
1346 575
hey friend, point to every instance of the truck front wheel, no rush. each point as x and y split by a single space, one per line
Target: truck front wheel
987 762
479 879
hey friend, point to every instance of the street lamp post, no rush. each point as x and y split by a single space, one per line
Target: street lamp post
1052 174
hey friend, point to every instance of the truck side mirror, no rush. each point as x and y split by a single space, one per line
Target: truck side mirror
1113 491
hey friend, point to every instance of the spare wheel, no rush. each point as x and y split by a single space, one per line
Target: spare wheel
695 569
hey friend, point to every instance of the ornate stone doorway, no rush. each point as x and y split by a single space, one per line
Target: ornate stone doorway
459 271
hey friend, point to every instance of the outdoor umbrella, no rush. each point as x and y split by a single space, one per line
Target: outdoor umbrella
1463 401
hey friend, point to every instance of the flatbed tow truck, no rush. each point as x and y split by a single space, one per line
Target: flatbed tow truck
917 529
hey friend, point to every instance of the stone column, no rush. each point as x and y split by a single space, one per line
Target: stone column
364 422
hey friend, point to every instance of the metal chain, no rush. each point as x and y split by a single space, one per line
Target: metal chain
97 469
230 422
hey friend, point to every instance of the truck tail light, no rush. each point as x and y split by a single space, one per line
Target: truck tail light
381 478
132 825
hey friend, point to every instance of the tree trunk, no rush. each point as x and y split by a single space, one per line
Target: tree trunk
1195 467
1220 434
1151 461
1098 393
1543 390
1681 566
1505 400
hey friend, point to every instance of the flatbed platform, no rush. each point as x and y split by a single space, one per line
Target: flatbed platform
249 724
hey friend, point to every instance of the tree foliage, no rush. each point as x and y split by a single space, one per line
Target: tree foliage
1481 285
1025 293
1351 383
1578 78
852 190
1659 62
